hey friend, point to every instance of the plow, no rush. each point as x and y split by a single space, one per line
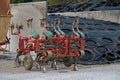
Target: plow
50 47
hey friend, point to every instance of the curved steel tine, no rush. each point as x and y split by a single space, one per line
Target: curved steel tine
77 24
54 26
73 26
29 22
43 24
58 26
12 27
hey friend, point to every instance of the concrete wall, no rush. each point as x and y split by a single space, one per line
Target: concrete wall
22 12
113 15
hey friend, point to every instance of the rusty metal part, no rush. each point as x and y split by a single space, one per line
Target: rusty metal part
12 28
19 27
29 22
43 24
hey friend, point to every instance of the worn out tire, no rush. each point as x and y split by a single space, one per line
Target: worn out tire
88 56
91 43
28 62
111 56
107 40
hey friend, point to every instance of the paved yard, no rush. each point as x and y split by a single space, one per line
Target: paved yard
85 72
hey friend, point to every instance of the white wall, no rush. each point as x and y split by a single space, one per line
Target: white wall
22 12
112 15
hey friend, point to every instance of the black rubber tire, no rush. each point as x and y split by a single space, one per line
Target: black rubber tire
118 38
90 43
118 53
67 61
118 46
67 31
107 40
111 29
28 62
101 50
91 29
110 56
100 29
88 56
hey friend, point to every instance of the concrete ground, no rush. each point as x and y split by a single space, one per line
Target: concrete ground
85 72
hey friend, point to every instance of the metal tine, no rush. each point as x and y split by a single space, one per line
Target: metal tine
19 27
12 27
54 26
77 24
77 27
29 22
73 27
43 24
58 26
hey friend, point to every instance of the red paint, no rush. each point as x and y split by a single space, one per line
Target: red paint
62 47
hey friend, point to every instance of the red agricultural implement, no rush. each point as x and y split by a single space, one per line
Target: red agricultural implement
50 47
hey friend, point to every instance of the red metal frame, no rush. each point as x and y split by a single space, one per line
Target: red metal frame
62 45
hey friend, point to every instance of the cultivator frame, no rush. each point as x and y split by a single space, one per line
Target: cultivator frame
51 47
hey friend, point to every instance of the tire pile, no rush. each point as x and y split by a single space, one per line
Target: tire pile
102 42
91 5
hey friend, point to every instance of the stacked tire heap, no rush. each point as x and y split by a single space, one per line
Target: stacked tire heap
91 5
102 42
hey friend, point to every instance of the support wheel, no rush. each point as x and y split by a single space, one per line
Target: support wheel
28 62
67 61
18 61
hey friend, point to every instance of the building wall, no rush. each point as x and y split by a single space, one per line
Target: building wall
22 12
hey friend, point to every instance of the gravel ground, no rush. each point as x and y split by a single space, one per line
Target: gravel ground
85 72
